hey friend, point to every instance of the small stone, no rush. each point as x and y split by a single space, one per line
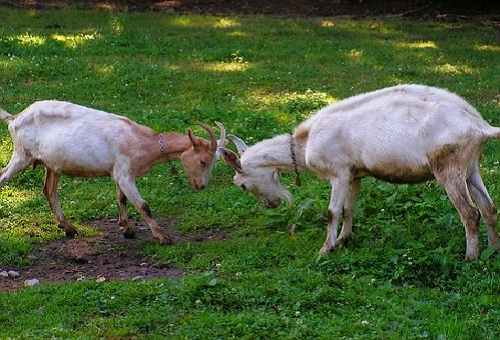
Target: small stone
4 274
144 264
136 278
100 279
31 282
13 274
113 220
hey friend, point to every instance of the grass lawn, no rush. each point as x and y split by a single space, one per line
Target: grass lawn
402 274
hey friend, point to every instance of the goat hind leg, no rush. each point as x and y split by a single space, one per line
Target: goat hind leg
485 204
49 190
128 231
456 189
16 164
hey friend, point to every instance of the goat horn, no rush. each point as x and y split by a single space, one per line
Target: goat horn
240 144
222 142
213 139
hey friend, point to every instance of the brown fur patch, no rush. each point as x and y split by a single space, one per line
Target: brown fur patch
127 121
393 173
301 134
146 209
449 164
81 171
330 217
123 199
443 156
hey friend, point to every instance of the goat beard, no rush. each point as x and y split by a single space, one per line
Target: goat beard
287 196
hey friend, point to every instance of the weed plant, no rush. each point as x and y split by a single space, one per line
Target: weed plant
401 275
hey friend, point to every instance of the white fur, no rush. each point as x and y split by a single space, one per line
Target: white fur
406 133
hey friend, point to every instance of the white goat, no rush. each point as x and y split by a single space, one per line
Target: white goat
74 140
401 134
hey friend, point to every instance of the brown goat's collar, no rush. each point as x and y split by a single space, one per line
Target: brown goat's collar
173 170
160 143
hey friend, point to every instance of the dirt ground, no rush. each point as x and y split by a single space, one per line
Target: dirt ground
105 257
411 9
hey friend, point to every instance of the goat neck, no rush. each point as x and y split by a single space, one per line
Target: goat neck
174 145
275 153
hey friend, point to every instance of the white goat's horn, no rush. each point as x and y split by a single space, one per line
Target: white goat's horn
222 142
240 145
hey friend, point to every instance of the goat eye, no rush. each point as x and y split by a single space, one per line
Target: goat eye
202 162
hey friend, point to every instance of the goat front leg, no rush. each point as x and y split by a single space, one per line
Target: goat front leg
49 190
128 231
340 192
129 188
348 212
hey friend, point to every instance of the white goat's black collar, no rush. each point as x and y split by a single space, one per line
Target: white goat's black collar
173 170
294 161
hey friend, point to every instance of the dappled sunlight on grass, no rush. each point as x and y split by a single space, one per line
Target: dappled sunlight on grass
116 25
489 48
292 107
452 69
6 148
74 41
106 6
355 55
105 69
237 34
208 22
283 97
226 23
11 196
226 67
418 44
181 21
30 40
326 23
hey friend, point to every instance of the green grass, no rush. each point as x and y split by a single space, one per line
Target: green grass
402 274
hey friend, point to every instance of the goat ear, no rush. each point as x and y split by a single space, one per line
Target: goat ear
231 159
240 144
276 176
195 141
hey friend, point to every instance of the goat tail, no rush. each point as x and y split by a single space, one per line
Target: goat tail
4 115
492 132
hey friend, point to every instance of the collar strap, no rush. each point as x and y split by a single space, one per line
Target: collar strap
173 170
298 182
160 142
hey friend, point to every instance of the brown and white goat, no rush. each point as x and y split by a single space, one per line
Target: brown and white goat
74 140
401 134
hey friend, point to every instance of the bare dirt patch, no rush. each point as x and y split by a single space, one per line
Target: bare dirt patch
107 256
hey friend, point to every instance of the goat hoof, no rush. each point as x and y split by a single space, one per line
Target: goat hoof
165 241
129 235
325 250
471 256
70 234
